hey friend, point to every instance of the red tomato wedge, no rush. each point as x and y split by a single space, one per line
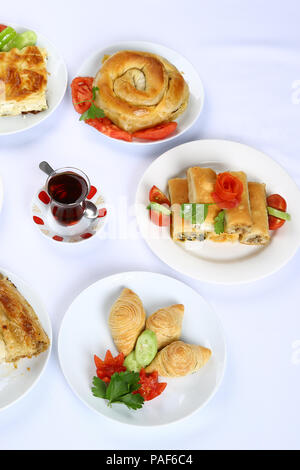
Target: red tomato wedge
2 27
82 90
110 365
156 195
161 131
150 387
107 127
277 202
228 191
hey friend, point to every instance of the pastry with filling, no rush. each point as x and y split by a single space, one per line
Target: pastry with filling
127 320
23 81
179 359
238 219
166 323
181 228
259 233
21 334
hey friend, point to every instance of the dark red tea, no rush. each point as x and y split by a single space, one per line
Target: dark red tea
67 189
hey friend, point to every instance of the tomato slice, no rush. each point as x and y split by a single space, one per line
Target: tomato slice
159 219
82 90
156 195
161 131
150 387
2 27
277 202
107 127
110 365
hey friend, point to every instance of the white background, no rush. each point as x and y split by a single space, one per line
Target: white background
248 55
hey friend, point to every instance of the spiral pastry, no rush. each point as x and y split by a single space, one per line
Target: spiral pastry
179 359
126 321
166 323
139 90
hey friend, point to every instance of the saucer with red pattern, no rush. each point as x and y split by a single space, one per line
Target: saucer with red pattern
84 230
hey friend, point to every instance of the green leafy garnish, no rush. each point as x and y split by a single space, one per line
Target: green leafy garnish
220 223
120 389
196 213
279 214
93 112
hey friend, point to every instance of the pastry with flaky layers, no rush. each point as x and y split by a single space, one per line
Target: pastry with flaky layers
166 323
126 321
179 359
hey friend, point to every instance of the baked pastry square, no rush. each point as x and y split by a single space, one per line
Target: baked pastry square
23 81
21 334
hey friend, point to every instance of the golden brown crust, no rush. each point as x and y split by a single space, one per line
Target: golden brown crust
259 233
166 323
179 359
23 80
139 90
21 332
126 321
239 220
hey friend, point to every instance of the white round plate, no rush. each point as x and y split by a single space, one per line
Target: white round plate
224 263
57 84
80 340
84 230
15 383
187 119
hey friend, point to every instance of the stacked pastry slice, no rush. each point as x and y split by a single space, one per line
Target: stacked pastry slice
247 223
21 334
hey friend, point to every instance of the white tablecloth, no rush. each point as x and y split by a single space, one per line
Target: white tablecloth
247 54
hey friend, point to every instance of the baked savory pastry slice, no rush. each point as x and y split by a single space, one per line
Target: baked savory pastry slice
201 184
181 229
127 320
179 359
21 334
239 220
23 81
166 323
259 233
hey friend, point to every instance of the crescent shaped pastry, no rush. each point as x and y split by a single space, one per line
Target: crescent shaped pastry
166 323
139 90
179 359
126 321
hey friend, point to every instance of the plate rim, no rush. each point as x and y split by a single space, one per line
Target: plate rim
145 426
10 274
43 118
148 44
186 271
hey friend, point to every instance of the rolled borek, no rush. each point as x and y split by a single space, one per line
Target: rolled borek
181 228
238 219
259 233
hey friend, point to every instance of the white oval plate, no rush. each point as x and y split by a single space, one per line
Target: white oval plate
56 89
16 383
79 340
213 262
187 119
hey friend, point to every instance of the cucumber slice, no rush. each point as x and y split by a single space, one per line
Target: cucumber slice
26 39
279 214
146 348
154 206
131 363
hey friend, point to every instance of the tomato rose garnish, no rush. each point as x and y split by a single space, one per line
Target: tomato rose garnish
107 368
150 388
228 191
82 93
277 202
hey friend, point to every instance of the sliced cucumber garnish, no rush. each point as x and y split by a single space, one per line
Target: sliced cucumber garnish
154 206
131 363
28 38
279 214
146 348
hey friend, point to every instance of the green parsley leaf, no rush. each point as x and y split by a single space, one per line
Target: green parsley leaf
196 213
133 402
220 223
95 89
92 113
121 384
99 389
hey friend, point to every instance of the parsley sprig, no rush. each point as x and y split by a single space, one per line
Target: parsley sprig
93 111
120 390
